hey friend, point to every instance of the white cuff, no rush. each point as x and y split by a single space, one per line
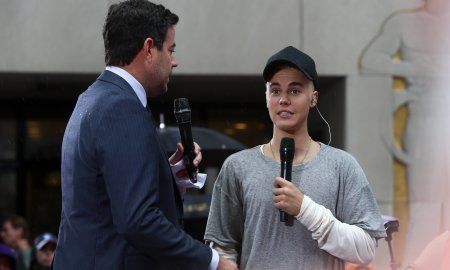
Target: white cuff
214 260
227 253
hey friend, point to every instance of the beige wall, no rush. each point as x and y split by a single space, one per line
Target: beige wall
213 37
51 36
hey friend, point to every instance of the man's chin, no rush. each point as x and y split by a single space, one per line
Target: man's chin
165 89
288 128
158 91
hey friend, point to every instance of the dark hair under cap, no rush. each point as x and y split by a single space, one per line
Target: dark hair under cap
292 57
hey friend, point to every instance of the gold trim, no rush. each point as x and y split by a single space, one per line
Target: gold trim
401 207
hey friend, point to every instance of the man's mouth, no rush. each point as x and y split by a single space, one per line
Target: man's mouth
285 113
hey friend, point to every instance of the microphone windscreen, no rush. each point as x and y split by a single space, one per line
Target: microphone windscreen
181 110
287 149
180 105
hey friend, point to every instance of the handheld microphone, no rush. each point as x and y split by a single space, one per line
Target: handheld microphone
287 151
182 114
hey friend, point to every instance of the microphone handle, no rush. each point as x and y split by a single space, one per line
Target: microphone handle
189 149
286 173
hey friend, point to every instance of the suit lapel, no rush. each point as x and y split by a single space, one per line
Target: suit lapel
163 151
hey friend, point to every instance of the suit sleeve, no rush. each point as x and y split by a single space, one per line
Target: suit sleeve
130 161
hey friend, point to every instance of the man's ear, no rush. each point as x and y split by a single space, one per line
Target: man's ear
314 99
149 48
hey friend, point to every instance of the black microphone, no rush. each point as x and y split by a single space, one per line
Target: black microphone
287 151
183 115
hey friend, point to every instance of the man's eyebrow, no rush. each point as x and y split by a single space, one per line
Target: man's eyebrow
296 84
290 84
274 84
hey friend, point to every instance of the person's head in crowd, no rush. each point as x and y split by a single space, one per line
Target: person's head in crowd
45 245
15 232
139 37
7 258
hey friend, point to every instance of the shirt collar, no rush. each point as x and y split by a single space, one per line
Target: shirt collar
135 84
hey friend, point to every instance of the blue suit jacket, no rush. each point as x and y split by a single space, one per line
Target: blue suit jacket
120 205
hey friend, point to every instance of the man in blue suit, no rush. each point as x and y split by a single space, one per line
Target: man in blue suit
121 208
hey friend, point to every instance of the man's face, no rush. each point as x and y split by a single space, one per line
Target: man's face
289 97
45 255
10 235
164 63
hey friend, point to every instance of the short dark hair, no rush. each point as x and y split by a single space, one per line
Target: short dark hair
127 26
19 222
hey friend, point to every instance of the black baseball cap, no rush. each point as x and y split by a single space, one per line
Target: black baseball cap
292 57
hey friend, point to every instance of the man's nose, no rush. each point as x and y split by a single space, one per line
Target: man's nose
174 62
284 100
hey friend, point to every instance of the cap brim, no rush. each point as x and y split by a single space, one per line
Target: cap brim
272 65
42 244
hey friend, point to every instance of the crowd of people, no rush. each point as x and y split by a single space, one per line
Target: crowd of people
16 250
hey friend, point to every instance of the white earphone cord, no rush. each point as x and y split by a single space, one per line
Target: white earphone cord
328 125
